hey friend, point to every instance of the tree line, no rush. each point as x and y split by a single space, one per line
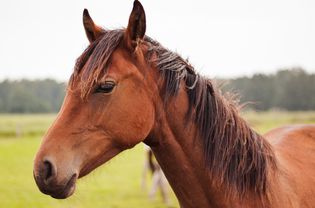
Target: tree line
289 89
26 96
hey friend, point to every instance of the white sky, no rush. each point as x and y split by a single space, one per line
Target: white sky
222 38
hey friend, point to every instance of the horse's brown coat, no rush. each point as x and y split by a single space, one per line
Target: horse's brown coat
209 154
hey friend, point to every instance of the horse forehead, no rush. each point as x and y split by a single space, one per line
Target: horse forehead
121 62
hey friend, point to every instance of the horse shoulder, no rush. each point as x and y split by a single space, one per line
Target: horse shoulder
294 148
294 139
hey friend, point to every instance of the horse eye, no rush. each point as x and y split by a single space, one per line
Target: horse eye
106 87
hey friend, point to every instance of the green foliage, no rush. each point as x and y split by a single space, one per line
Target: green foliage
292 90
25 96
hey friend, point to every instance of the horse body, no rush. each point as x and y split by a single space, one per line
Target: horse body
294 147
127 88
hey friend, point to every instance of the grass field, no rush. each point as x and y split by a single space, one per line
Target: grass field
114 185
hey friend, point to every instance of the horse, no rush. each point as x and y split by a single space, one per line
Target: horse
127 88
159 180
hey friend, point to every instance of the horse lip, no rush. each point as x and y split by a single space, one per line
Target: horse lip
61 191
40 184
68 189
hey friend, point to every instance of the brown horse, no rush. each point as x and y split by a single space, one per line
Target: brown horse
127 88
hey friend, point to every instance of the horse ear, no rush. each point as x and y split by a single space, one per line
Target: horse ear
136 26
92 31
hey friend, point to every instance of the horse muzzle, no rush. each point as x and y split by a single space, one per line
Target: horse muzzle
46 177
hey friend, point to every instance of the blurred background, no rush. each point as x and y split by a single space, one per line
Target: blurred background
262 50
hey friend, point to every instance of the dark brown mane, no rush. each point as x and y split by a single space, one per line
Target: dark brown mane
234 153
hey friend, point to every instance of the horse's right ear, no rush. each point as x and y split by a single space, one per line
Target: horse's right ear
136 26
92 31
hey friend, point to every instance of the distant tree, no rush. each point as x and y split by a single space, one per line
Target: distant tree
289 89
25 96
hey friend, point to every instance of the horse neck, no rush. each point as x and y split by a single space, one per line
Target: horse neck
180 152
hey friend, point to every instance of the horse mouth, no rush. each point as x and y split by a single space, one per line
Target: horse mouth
61 192
67 190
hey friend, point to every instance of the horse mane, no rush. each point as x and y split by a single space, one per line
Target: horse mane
234 153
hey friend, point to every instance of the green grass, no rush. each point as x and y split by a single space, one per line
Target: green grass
17 125
114 185
265 121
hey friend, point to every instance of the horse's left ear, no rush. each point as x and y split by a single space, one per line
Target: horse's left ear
92 30
136 26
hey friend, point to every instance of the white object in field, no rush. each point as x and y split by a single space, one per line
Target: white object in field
159 180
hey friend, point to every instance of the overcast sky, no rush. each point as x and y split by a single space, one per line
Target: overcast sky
222 38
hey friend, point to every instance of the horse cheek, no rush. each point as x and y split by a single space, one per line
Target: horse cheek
144 123
141 120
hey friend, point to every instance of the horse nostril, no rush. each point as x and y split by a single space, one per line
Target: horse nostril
48 171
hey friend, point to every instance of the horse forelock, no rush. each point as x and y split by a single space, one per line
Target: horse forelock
93 62
235 154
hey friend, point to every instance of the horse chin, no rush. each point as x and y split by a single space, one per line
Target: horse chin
89 168
98 161
67 190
